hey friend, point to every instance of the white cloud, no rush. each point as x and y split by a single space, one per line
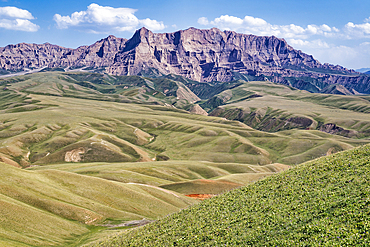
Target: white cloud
300 36
152 24
104 19
353 57
349 57
226 20
326 28
355 31
257 22
14 12
303 44
258 26
13 18
203 21
365 44
18 25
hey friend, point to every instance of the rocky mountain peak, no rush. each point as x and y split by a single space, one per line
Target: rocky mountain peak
111 37
203 55
140 36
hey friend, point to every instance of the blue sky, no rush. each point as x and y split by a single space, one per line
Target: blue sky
333 31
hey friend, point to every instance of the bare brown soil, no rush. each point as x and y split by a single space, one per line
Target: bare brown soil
201 196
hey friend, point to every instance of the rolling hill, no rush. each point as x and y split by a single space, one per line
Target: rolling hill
270 107
55 117
54 208
321 202
86 154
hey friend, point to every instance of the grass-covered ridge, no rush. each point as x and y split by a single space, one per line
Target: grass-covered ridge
272 107
50 207
185 177
324 202
67 128
118 148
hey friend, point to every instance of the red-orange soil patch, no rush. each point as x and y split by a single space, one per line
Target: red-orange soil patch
200 196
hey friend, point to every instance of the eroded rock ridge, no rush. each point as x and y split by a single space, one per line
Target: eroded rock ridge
200 55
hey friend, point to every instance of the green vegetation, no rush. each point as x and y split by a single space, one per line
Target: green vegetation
102 150
128 89
186 177
322 202
70 129
272 107
53 207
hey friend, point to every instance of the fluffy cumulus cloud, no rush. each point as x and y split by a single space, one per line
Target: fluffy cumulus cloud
17 19
104 19
258 26
355 31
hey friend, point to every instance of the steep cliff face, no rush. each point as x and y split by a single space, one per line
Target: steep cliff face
21 56
28 56
209 55
100 54
200 55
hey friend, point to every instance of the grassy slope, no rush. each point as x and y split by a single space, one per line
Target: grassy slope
277 103
50 207
186 177
40 129
129 89
322 202
206 154
119 132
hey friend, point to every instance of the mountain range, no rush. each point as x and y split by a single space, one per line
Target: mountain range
199 55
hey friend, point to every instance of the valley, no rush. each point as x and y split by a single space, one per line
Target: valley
83 151
321 202
198 134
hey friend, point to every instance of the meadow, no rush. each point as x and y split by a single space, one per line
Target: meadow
272 107
85 155
324 202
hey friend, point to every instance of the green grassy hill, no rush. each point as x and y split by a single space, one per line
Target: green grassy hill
40 129
185 177
51 207
324 202
128 89
81 150
272 107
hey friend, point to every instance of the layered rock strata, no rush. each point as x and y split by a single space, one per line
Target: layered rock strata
200 55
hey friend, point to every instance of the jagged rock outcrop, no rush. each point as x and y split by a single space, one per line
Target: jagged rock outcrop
334 129
27 56
200 55
21 56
